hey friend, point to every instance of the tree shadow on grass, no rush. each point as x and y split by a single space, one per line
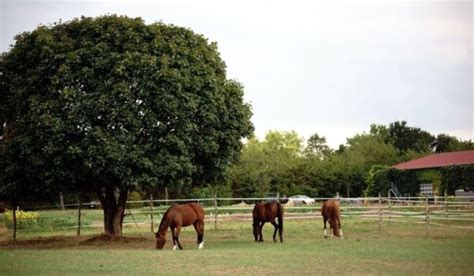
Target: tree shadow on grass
82 242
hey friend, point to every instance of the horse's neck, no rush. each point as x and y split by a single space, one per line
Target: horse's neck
164 225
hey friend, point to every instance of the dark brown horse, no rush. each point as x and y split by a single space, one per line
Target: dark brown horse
267 212
178 216
330 212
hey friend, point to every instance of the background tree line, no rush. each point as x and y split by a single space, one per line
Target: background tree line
284 162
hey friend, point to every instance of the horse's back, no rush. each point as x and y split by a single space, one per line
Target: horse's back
190 213
330 209
271 208
267 211
198 210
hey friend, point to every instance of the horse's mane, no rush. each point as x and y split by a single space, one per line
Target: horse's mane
164 224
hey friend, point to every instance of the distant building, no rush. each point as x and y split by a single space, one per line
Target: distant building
438 160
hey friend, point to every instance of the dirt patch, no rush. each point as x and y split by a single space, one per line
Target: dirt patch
82 242
40 243
108 239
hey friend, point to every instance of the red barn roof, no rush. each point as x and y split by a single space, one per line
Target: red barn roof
439 160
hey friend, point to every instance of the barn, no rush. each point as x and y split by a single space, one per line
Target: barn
454 160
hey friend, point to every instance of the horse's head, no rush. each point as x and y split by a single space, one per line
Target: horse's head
160 241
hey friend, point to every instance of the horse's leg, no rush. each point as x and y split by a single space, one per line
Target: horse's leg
280 228
256 228
173 235
340 227
276 229
331 229
325 228
199 227
201 234
260 231
178 230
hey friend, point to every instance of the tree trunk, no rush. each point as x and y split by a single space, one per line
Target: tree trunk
114 210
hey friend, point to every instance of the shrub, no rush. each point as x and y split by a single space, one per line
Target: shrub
24 219
135 196
457 177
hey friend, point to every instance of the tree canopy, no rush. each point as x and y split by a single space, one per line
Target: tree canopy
107 104
284 163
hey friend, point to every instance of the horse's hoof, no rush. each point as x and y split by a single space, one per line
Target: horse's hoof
175 247
274 240
325 237
201 245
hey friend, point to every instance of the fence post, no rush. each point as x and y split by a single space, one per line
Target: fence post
151 212
61 201
446 202
427 214
14 222
79 218
389 207
166 195
215 209
380 211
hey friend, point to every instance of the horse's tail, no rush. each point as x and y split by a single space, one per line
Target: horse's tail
335 216
280 213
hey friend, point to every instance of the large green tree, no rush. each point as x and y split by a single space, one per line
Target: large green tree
447 143
406 138
316 145
361 153
108 104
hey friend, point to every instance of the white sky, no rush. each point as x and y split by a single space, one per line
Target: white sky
331 67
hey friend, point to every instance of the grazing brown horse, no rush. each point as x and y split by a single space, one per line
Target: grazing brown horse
178 216
267 212
330 212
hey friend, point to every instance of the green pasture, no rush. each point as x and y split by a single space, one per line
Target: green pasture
397 248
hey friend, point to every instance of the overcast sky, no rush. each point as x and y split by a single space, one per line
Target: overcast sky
326 67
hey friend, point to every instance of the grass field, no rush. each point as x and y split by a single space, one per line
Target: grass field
398 248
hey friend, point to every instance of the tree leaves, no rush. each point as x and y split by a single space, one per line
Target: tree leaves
112 101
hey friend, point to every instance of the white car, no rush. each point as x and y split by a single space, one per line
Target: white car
302 199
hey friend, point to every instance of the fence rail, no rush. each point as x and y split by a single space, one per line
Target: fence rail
450 211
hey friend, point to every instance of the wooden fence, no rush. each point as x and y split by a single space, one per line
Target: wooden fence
449 211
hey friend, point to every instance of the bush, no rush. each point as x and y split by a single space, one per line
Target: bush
457 177
135 196
24 219
379 178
